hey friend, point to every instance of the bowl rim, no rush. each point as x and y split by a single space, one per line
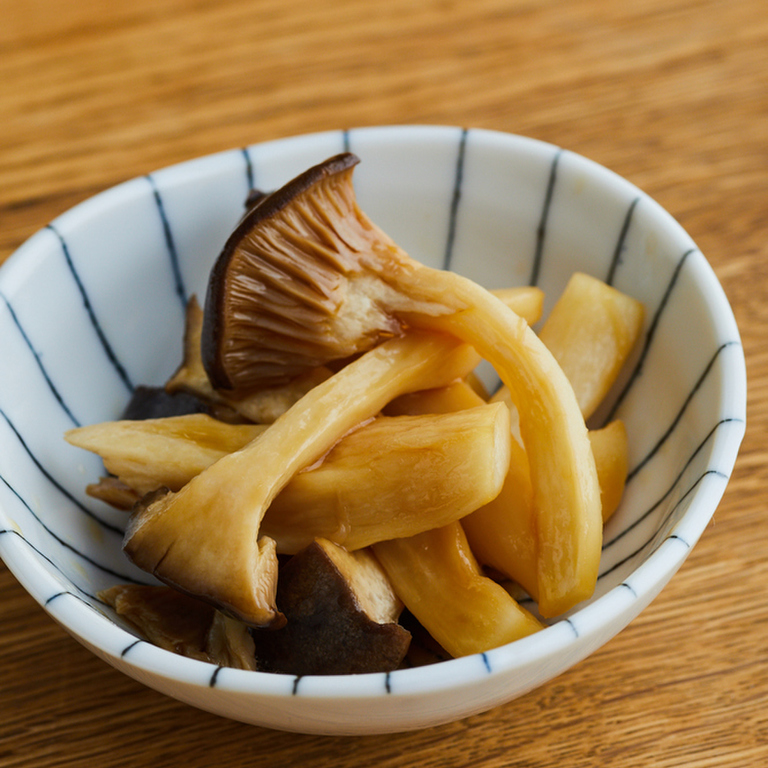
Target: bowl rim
113 643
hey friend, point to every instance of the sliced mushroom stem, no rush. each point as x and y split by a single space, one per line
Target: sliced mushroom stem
591 332
441 584
204 538
611 451
395 477
149 454
563 472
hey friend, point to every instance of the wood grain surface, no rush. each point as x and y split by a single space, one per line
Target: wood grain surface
672 94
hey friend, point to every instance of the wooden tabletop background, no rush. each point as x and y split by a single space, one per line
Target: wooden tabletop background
672 94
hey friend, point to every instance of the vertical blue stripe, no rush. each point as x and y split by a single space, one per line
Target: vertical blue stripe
62 542
455 200
616 260
541 230
673 485
682 410
170 244
249 177
54 482
110 353
54 391
649 336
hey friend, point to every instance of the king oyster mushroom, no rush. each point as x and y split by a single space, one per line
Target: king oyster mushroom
204 539
307 278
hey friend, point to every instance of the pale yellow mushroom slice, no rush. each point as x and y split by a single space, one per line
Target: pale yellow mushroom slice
591 331
437 577
610 447
148 454
204 539
394 476
307 278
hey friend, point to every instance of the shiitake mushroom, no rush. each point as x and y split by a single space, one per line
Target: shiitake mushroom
342 616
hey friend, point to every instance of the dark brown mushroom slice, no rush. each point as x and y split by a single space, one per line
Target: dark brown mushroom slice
148 402
341 616
179 623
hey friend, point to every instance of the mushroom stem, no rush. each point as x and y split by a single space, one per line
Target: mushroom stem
204 538
563 472
437 577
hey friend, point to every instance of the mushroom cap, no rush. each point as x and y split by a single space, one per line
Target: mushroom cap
275 291
341 616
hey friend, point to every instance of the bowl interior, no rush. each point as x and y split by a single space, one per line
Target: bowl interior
93 305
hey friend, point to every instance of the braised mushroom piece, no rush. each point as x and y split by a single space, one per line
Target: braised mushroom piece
341 616
183 625
278 303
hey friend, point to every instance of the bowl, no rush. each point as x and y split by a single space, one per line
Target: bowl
93 304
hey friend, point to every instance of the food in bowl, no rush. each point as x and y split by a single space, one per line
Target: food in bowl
501 209
317 322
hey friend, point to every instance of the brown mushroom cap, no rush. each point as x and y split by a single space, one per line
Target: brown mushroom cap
341 616
279 282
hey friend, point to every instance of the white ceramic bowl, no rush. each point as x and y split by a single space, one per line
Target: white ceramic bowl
92 305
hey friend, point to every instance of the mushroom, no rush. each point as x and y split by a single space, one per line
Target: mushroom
204 539
307 278
262 406
341 616
179 623
276 304
437 577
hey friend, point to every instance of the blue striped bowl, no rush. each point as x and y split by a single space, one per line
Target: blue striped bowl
93 305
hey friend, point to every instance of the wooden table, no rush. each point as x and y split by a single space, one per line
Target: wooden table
672 94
